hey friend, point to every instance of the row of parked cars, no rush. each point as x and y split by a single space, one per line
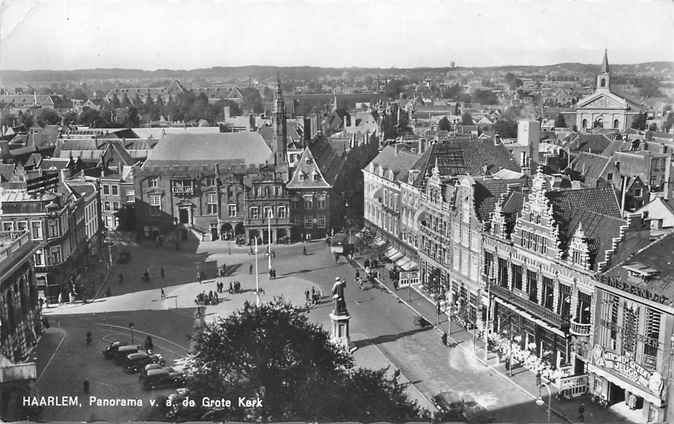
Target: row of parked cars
150 367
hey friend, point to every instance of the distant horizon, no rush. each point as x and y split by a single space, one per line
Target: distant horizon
64 35
331 67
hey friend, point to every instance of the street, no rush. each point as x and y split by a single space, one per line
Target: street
382 328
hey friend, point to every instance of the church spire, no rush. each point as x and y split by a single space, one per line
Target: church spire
604 64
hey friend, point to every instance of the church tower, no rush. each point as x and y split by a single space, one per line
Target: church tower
280 143
604 76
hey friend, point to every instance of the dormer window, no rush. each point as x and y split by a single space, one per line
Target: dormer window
302 176
307 161
315 176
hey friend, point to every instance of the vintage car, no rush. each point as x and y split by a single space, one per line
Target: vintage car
136 361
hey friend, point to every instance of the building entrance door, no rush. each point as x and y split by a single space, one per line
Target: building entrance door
184 215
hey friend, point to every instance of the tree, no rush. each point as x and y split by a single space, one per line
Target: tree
669 121
69 118
48 117
466 119
506 128
252 100
275 352
639 123
443 124
26 119
560 122
485 97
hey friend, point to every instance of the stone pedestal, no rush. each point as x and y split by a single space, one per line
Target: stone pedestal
340 330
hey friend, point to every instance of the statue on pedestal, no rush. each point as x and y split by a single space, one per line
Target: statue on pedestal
338 296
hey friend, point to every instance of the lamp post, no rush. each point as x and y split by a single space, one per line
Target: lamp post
257 278
540 401
489 280
131 331
269 217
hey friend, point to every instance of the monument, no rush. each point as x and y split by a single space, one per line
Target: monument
340 316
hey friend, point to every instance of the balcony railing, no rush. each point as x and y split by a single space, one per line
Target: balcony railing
265 221
578 329
185 190
18 372
527 305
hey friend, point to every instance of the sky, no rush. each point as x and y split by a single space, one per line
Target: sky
188 34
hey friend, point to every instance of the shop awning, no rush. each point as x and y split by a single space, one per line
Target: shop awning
401 261
393 255
389 252
409 265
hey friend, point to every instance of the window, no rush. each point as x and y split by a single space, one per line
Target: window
502 272
53 229
637 192
210 181
153 182
254 212
320 202
277 191
651 341
8 226
315 176
548 293
231 210
282 212
517 277
115 206
212 204
268 212
488 263
308 203
603 82
630 330
130 198
56 255
21 226
609 176
38 258
302 176
308 222
564 301
36 230
155 200
106 206
583 313
321 221
115 190
532 286
106 189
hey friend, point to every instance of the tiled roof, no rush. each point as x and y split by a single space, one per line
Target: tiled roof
399 161
589 165
597 209
80 144
140 144
242 147
655 259
593 143
488 192
463 156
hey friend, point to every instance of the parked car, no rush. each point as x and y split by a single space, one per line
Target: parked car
152 366
111 349
136 361
119 356
162 378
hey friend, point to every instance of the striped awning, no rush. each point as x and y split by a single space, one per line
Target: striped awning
409 265
392 254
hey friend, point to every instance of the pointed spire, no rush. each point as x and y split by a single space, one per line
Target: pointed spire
604 64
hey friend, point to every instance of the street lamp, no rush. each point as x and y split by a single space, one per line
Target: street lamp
539 400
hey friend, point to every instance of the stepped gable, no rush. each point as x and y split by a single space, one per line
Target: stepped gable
596 209
490 191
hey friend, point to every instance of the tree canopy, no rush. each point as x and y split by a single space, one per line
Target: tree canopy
275 352
485 97
467 119
506 128
639 123
48 117
560 122
443 124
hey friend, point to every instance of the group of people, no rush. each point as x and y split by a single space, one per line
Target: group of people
207 299
312 297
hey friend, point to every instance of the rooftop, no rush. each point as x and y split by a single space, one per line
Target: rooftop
241 147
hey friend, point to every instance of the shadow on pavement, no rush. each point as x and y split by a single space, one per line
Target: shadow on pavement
388 338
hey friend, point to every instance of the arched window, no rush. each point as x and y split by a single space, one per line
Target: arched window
602 82
616 123
584 123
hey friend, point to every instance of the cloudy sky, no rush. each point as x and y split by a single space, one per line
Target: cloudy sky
185 34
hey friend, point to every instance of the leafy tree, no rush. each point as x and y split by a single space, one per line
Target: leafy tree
275 352
69 118
252 99
669 121
48 117
443 124
560 122
133 119
639 123
467 119
26 119
452 92
394 88
485 97
506 128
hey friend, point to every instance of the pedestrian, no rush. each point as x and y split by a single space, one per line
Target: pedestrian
306 296
304 250
162 272
85 386
250 269
163 294
396 374
231 288
444 338
313 294
581 412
